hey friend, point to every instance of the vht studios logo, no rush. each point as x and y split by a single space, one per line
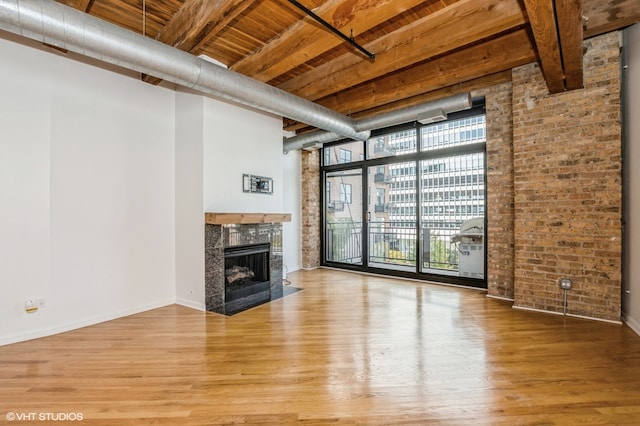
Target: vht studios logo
43 417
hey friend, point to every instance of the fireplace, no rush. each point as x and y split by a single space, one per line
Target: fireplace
247 276
248 249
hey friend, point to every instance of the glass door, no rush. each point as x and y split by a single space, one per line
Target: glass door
452 218
343 216
410 201
391 214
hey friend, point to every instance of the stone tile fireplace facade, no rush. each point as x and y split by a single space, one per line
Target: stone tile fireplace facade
221 236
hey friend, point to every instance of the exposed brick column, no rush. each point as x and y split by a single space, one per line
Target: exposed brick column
500 212
568 193
310 209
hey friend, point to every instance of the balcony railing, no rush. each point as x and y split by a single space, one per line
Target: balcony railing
392 243
343 242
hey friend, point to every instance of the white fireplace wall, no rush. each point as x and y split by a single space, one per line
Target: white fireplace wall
216 142
238 140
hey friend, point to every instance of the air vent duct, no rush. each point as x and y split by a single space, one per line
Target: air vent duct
63 27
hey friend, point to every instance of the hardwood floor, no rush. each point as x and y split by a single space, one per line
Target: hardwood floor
348 349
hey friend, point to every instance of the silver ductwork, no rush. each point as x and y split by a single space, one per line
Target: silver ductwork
423 112
50 22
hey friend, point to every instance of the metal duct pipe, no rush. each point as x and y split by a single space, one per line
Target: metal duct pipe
453 103
413 113
62 26
312 138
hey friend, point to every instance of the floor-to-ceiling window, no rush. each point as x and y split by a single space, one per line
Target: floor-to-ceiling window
410 201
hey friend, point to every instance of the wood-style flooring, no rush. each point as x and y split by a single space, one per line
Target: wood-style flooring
348 349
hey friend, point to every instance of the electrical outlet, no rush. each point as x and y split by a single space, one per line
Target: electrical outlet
566 284
30 306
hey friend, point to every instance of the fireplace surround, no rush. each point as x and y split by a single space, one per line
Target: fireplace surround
231 242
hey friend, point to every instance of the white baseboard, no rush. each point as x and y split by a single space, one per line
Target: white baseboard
73 325
632 323
508 299
542 311
191 304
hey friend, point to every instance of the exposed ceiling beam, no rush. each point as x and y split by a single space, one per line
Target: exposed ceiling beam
467 86
82 5
502 54
196 22
493 56
569 19
604 16
303 41
199 20
542 17
463 23
345 38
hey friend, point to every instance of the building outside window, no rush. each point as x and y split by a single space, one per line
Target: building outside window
345 193
345 156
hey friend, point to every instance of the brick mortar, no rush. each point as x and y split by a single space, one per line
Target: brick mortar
310 220
567 180
499 191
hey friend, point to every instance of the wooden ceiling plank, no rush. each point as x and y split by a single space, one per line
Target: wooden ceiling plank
82 5
433 95
195 23
610 15
199 20
454 89
303 41
465 22
493 56
543 25
569 19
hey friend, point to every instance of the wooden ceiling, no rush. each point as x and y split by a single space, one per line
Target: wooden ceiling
423 49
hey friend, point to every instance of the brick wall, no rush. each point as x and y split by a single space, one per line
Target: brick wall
567 180
500 210
310 209
553 189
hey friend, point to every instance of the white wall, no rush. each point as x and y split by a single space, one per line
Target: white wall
228 140
104 180
631 109
86 193
240 141
25 123
189 200
292 190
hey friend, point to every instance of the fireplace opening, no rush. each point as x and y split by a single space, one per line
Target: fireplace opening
246 276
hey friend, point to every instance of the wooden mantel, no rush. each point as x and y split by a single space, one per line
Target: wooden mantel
232 218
